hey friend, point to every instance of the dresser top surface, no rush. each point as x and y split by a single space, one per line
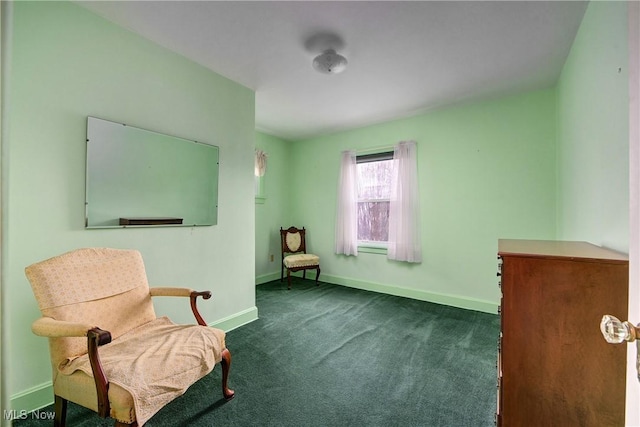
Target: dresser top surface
557 249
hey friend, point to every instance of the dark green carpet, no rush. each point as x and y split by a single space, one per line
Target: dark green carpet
330 355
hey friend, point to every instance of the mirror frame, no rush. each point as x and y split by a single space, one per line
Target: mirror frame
141 178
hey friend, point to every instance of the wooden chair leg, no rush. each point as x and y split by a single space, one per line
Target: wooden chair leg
304 273
317 275
60 406
288 279
226 366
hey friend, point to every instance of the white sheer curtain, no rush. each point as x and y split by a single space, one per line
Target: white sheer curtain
260 163
347 212
404 208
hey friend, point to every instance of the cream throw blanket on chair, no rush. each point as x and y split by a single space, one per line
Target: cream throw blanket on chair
140 362
149 362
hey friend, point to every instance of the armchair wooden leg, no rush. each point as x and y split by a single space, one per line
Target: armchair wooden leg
226 366
288 279
60 406
317 275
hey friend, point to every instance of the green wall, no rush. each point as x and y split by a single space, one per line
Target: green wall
486 171
66 64
541 165
275 210
593 138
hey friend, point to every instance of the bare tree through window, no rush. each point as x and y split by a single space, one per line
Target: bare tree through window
374 191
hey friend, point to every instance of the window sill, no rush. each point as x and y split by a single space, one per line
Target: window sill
381 250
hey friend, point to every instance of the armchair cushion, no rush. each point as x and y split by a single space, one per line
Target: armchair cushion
151 365
301 260
96 272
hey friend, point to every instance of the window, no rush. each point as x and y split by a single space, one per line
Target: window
260 167
377 208
373 176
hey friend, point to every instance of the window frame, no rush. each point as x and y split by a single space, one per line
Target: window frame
382 154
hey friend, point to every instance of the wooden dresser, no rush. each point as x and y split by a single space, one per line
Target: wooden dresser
554 366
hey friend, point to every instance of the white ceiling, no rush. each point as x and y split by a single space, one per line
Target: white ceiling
404 57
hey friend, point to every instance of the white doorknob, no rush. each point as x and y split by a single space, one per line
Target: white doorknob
615 331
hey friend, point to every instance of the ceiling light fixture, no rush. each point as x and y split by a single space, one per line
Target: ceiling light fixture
330 62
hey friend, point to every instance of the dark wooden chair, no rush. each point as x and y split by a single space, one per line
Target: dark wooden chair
97 296
293 242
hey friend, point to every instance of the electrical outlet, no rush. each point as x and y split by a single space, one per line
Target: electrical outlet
271 257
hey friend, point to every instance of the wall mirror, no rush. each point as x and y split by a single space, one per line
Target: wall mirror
140 178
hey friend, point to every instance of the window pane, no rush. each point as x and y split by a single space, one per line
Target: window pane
374 180
374 191
373 221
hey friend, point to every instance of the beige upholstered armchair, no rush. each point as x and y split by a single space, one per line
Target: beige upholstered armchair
109 352
293 241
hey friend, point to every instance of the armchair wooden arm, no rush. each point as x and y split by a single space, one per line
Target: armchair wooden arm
95 338
183 292
52 328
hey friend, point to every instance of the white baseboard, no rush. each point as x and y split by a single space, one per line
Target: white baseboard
32 399
438 298
236 320
264 278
